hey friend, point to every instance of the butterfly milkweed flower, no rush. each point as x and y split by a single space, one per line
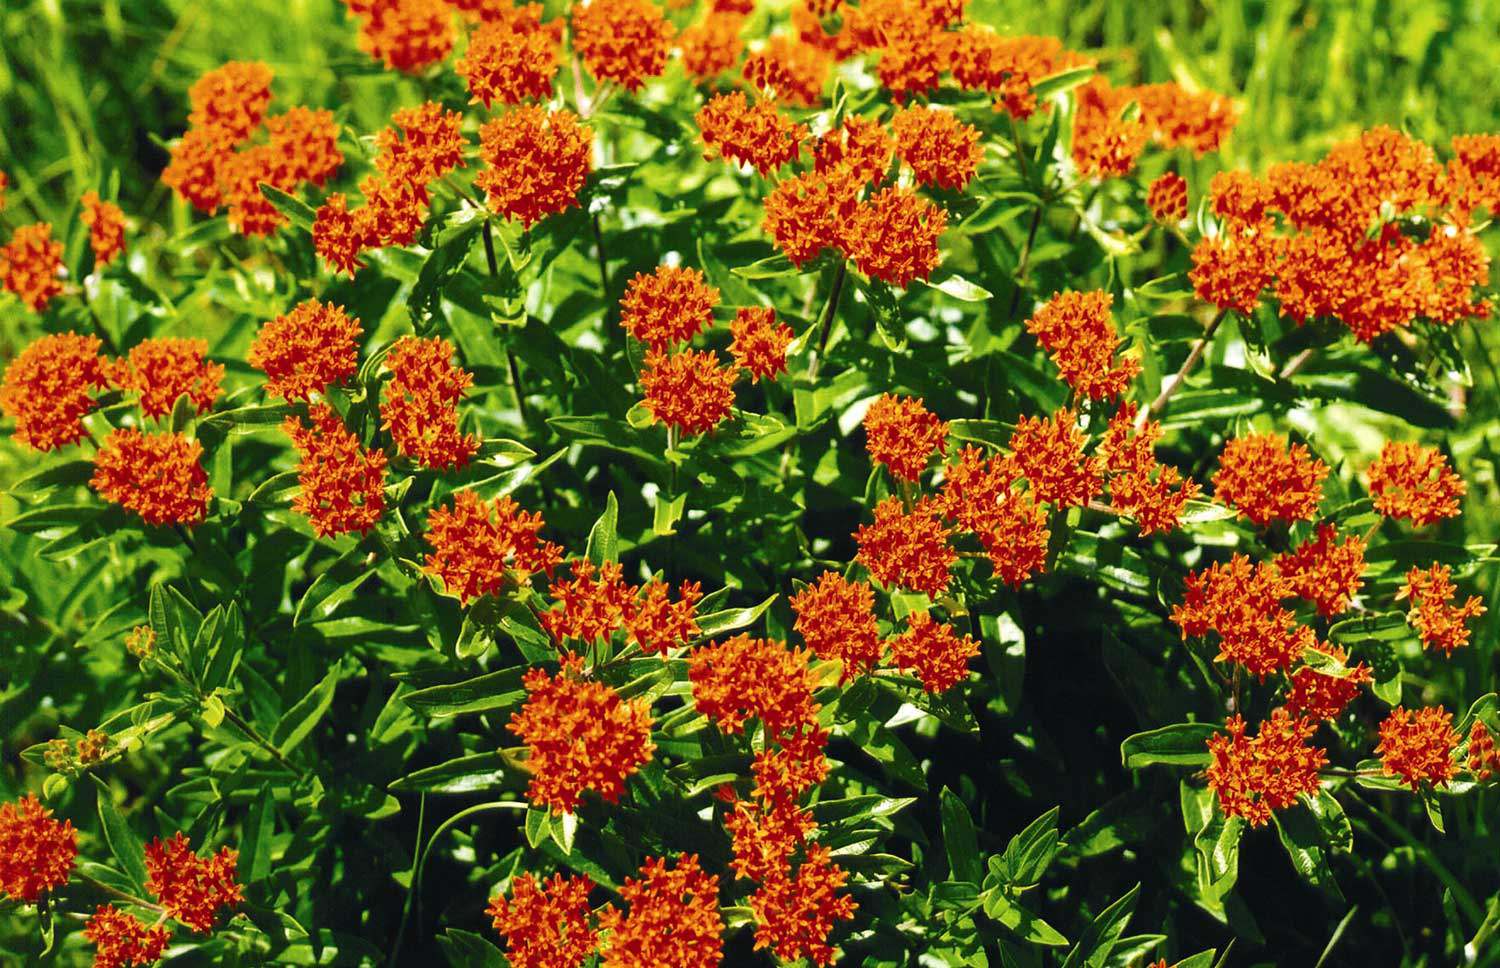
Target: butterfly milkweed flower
422 143
339 235
894 236
1152 493
545 923
195 167
306 143
106 225
1105 141
836 618
765 836
673 918
859 145
1240 601
1473 176
1166 198
756 135
907 549
122 939
1007 67
759 343
625 41
536 161
30 263
1325 692
510 60
911 47
1417 746
713 45
592 605
941 150
902 435
1048 452
743 677
405 35
667 307
783 773
161 369
688 390
934 651
789 71
36 851
1254 777
420 407
231 99
306 350
158 476
1325 571
141 641
48 389
1078 331
341 485
811 212
581 736
1177 117
980 496
657 624
1414 482
1483 759
477 546
192 888
1439 622
794 914
1231 269
1267 479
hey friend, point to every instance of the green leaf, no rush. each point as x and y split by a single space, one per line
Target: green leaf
730 619
1099 940
1181 744
604 537
1021 922
67 473
334 587
260 827
771 267
477 772
1029 853
295 209
1306 845
959 839
298 722
959 288
444 262
124 845
1061 81
465 949
493 690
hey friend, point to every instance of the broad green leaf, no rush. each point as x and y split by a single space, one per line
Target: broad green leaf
124 845
298 722
1181 744
959 839
474 773
604 536
493 690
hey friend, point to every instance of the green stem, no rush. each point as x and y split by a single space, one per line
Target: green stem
830 309
1175 381
510 356
116 893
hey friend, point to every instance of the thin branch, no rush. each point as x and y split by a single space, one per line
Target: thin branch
1176 380
830 309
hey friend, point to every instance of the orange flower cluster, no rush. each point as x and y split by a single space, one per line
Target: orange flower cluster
658 624
163 369
511 59
1417 745
713 45
625 41
593 605
48 389
1241 603
908 549
342 485
1008 67
1414 482
859 146
743 677
1078 331
756 135
1483 760
36 851
536 160
765 836
688 390
1255 777
1106 142
30 263
420 407
1438 621
422 144
814 211
1328 237
1473 176
1324 571
941 150
902 435
214 163
106 225
306 350
1049 454
673 918
123 939
581 735
788 71
158 476
934 651
1152 493
405 35
1323 693
980 495
1166 198
836 618
893 236
545 923
1268 480
794 914
667 307
189 887
476 546
759 343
